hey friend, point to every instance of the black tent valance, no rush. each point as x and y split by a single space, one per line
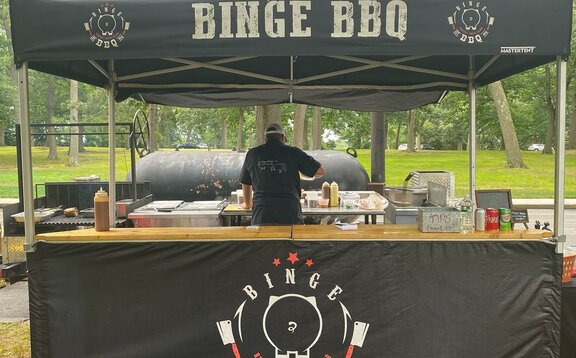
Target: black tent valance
213 53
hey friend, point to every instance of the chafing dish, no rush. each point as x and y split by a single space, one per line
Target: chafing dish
178 214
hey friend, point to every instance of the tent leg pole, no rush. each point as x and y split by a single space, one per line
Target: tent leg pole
29 228
560 153
472 132
112 143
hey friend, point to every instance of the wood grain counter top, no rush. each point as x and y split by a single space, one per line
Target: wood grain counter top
172 233
297 232
409 232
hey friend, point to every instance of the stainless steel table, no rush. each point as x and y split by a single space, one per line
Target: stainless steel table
233 213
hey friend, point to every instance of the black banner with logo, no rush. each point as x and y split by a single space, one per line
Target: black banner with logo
79 29
285 299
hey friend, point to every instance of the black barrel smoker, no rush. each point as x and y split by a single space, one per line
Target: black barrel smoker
193 175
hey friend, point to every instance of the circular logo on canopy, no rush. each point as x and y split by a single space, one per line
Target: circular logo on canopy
107 26
471 22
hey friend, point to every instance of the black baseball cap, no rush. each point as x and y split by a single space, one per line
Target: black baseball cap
274 128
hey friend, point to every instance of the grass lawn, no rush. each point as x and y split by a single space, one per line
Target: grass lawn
15 340
535 182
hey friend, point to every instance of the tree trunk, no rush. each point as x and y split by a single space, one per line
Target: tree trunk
513 153
2 134
264 116
307 142
81 148
73 160
398 135
50 109
240 133
223 133
551 109
377 147
153 112
299 117
460 145
317 129
410 130
13 69
572 137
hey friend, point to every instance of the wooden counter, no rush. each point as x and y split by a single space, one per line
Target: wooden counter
411 289
298 232
172 233
410 232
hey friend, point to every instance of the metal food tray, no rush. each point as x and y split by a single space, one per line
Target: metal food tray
39 215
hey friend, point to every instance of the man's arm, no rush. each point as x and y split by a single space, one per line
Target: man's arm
320 172
247 191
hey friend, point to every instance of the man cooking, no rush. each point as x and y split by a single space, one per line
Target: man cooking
273 170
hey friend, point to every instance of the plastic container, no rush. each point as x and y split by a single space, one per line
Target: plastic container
101 211
467 221
323 203
326 190
568 265
334 194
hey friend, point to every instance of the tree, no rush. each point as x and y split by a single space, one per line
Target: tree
240 130
50 109
551 107
74 160
153 114
513 154
9 100
317 129
410 130
299 126
264 116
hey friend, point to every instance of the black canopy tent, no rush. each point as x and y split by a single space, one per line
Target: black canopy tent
384 55
364 55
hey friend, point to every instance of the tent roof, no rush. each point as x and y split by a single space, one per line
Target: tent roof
363 54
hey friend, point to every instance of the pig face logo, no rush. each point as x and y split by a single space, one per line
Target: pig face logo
471 22
471 19
308 321
107 27
106 24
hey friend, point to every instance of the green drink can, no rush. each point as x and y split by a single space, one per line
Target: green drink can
505 219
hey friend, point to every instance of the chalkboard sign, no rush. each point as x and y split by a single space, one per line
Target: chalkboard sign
494 198
520 216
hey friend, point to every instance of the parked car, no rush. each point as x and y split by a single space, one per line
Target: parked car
403 147
187 145
426 147
536 147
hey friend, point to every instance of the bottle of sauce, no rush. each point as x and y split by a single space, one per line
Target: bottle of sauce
101 211
334 194
325 190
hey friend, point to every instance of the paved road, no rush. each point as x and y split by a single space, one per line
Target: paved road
14 302
544 215
14 298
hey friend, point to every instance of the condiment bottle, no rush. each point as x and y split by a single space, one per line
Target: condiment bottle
325 190
334 194
101 211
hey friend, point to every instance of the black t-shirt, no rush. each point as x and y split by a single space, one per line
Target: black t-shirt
272 170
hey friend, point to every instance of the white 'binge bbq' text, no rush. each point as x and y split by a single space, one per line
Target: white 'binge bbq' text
241 19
